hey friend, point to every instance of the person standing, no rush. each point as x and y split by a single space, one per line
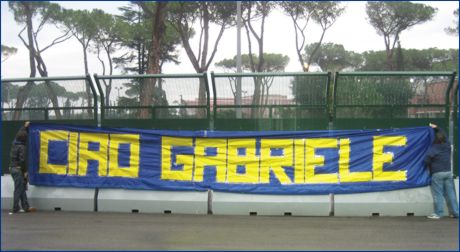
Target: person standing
437 159
18 170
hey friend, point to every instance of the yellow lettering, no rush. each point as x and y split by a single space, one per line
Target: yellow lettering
73 153
380 158
313 160
275 163
167 143
99 142
132 171
248 161
344 165
45 138
299 165
219 160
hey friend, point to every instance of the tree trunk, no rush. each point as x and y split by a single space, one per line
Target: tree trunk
159 30
49 90
389 61
202 91
109 86
256 112
256 98
389 52
87 86
24 91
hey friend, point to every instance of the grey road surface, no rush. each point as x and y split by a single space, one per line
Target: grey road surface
126 231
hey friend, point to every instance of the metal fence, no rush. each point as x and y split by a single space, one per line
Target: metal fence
270 101
243 101
391 99
455 127
174 101
65 100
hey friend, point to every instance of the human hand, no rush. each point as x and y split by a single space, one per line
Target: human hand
26 124
433 125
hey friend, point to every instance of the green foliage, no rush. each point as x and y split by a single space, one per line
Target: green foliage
8 51
82 23
49 12
453 30
273 62
391 18
297 9
134 34
431 59
326 13
308 90
332 57
9 91
374 61
219 12
376 97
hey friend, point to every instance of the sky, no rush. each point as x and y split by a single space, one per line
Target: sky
352 30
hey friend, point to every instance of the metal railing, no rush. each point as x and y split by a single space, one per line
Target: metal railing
279 97
264 101
41 92
392 95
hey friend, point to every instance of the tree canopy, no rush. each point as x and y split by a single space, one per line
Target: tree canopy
454 29
8 51
273 62
391 18
332 57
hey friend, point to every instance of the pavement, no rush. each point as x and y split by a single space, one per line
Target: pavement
62 230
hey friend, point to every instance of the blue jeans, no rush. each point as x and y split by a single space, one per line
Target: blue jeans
19 190
442 185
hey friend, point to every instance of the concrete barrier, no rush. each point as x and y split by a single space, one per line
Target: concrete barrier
251 204
7 192
50 198
416 202
456 188
61 198
120 200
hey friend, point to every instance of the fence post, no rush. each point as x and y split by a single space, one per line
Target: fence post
447 104
333 100
91 85
98 84
214 108
208 101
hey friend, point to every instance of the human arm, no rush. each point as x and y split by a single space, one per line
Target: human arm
437 129
429 157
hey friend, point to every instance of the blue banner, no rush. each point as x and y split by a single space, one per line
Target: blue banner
296 162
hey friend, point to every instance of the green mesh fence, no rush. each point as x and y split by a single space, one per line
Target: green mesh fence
385 100
455 127
60 100
66 98
270 101
249 101
155 101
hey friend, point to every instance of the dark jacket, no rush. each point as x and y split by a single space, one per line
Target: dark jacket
438 156
18 155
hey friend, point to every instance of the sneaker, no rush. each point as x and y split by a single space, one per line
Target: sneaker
15 211
31 210
433 216
453 216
